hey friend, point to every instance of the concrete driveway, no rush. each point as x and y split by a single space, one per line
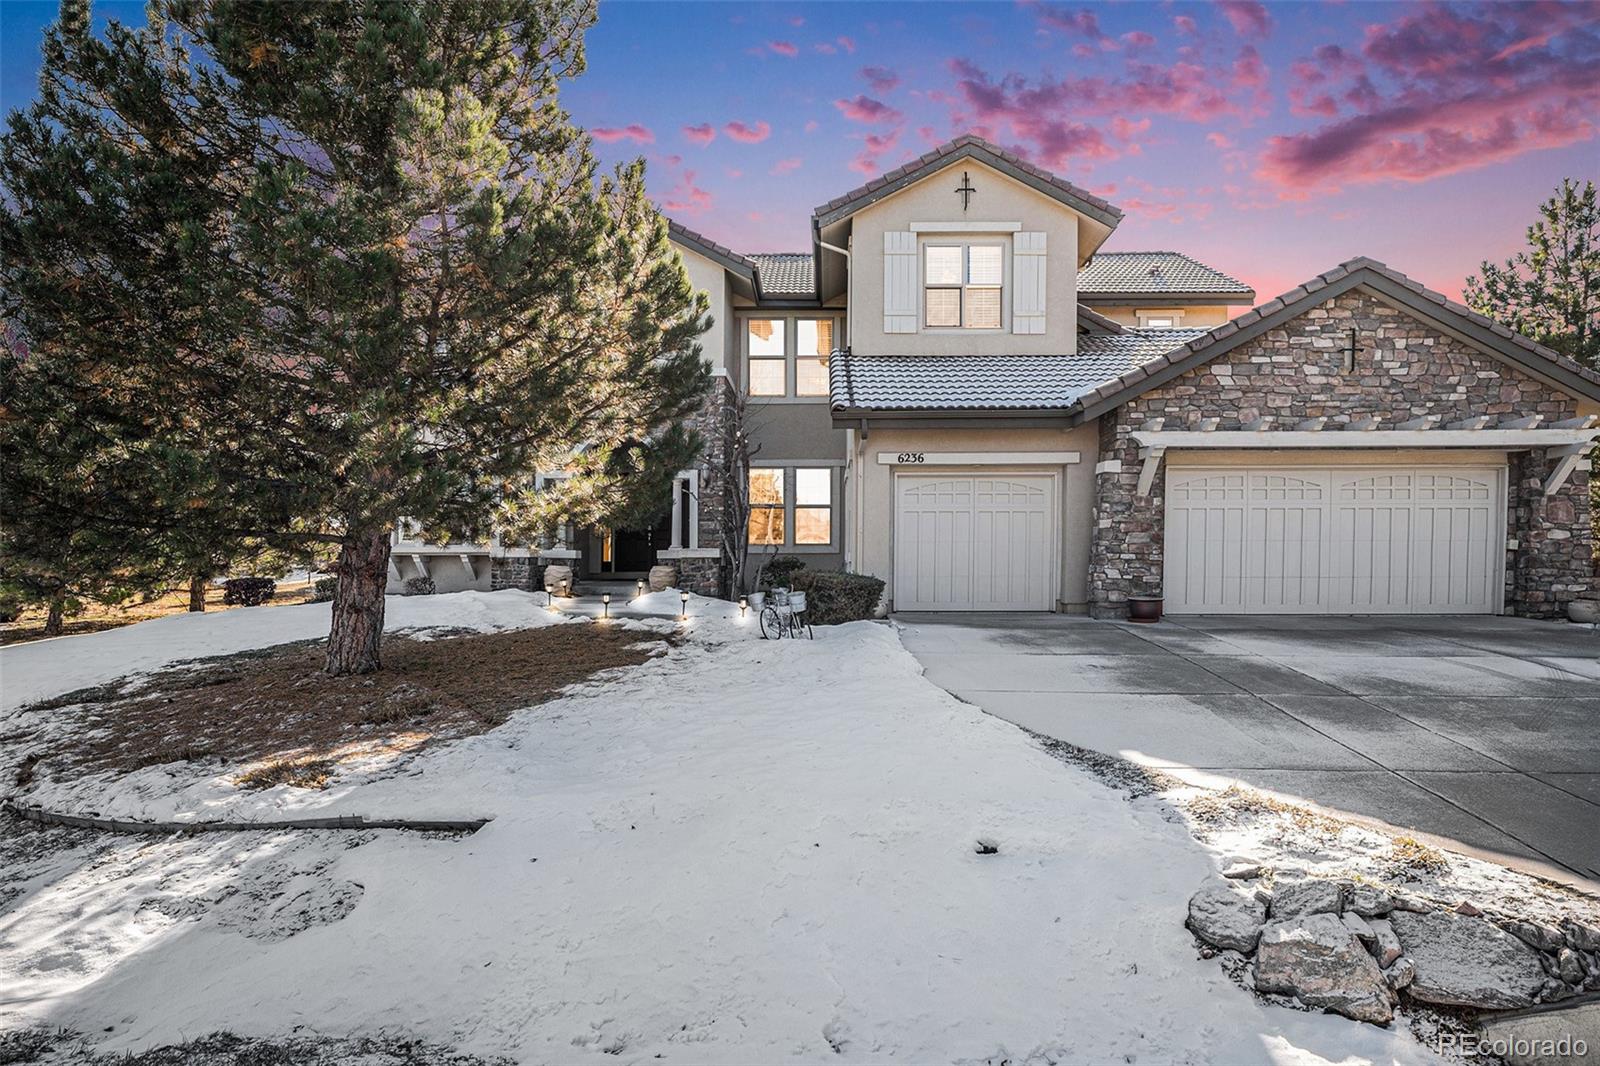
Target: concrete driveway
1483 732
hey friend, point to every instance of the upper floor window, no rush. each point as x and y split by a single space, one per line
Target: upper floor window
1159 319
962 285
773 344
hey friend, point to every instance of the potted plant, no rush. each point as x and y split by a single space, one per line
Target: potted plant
1146 607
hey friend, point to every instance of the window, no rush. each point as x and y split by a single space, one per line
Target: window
815 342
768 365
1159 319
766 505
961 285
813 505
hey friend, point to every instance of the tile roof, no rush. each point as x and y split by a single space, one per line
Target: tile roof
963 147
991 382
701 243
785 274
1198 349
1092 321
1154 272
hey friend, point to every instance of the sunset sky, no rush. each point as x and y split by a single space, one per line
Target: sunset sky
1272 141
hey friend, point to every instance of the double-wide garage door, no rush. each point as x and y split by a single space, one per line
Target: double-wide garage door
975 543
1309 540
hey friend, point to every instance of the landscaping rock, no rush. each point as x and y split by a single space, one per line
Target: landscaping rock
1296 898
1568 968
1316 958
1581 937
663 577
1401 974
1554 991
1244 871
1536 935
1225 917
1465 961
1357 925
1470 909
1408 903
1385 945
1369 902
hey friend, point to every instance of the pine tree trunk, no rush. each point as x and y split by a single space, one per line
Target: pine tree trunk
53 621
363 571
197 593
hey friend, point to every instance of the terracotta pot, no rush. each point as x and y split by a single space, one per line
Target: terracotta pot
1144 608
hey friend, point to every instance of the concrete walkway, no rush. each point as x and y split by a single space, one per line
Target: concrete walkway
1481 732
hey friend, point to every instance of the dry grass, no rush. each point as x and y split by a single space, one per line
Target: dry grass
98 616
277 708
1412 855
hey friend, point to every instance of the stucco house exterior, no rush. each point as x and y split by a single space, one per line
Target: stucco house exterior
956 390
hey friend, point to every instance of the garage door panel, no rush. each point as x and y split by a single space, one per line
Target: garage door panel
974 543
1337 539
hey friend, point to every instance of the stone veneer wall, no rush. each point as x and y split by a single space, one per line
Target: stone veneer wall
705 576
515 572
1405 369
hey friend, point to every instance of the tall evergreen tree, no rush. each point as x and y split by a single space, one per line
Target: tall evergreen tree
1551 292
328 265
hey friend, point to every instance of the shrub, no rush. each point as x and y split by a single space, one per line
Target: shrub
833 597
420 586
779 571
248 591
324 589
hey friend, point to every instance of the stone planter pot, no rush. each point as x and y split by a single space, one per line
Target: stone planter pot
1584 612
1144 608
663 577
558 580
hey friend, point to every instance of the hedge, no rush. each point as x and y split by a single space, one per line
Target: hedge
833 597
248 591
324 589
420 586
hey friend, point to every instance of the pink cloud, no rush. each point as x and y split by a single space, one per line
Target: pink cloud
1328 61
867 110
1126 130
786 166
848 44
1184 25
783 48
874 145
702 134
738 131
612 134
1471 87
1220 140
797 20
1082 22
687 198
881 79
1248 17
812 125
825 48
1138 39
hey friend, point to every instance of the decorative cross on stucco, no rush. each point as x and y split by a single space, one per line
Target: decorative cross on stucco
965 191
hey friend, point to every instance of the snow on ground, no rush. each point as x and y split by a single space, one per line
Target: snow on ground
41 669
739 851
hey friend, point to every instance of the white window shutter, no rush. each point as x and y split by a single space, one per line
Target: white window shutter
899 281
1028 289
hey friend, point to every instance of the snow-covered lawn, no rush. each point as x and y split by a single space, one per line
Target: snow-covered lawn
740 851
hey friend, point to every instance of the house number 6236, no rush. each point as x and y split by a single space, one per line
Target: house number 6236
912 457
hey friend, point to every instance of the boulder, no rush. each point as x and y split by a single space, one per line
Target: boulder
1464 961
1369 901
558 579
1536 935
1225 917
1317 959
1243 871
1401 974
1385 945
1568 967
1581 937
1295 898
663 577
1357 925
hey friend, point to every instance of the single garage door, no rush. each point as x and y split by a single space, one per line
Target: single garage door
975 543
1309 540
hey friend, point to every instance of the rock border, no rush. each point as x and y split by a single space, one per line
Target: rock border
341 821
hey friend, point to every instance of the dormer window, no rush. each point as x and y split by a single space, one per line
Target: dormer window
962 285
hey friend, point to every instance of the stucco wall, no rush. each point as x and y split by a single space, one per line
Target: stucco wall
704 274
1196 315
1405 369
998 199
874 506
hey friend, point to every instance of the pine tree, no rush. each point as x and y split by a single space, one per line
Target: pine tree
335 264
1551 292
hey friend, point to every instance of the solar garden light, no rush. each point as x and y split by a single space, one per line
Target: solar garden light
744 603
605 605
684 597
639 587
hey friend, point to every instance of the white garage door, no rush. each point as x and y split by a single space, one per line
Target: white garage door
975 543
1308 540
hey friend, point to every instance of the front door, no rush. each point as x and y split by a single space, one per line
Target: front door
632 552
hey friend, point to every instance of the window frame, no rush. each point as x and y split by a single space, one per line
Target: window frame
782 507
966 244
791 358
791 507
1143 316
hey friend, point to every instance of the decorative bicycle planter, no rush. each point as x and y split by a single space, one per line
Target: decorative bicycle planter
784 615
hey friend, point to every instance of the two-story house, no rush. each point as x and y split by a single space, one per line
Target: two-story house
955 389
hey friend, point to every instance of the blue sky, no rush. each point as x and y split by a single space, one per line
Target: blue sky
1272 141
